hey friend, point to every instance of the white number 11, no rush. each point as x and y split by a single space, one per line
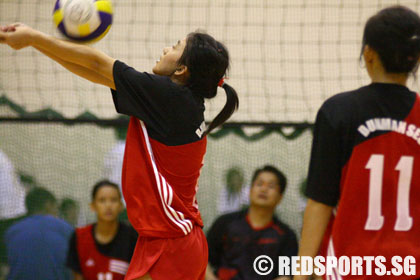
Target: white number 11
375 220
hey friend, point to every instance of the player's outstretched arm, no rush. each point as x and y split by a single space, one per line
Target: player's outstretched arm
19 36
80 70
315 221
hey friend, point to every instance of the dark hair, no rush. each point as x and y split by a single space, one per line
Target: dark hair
207 61
233 171
101 184
302 187
281 179
66 203
37 198
394 33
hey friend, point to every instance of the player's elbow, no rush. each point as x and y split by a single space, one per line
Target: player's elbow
95 64
317 210
103 64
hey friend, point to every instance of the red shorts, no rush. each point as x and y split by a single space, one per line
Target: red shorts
183 258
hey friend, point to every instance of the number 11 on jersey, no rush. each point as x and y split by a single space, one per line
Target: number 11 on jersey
375 218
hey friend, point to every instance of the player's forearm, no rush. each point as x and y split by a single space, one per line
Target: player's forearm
315 221
79 70
82 55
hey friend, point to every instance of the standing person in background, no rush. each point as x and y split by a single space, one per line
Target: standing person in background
69 211
166 140
366 153
12 193
12 204
237 239
113 163
37 245
303 199
113 160
102 250
235 193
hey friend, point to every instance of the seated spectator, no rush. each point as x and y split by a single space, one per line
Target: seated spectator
235 195
69 211
37 245
4 226
236 239
103 250
113 162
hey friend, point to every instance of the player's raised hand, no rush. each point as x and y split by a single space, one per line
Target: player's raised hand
16 35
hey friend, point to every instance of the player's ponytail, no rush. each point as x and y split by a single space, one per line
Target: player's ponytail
207 61
232 104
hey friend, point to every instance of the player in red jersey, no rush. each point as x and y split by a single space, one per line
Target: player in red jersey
364 172
166 140
102 250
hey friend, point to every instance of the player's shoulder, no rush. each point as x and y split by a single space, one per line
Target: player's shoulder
231 217
282 228
52 222
234 215
63 224
148 80
185 99
128 230
343 106
87 229
34 223
345 99
17 227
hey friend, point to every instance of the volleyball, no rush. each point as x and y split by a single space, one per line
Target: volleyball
83 20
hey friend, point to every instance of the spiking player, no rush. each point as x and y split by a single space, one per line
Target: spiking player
366 154
166 140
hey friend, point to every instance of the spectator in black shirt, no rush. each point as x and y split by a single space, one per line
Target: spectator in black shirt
236 239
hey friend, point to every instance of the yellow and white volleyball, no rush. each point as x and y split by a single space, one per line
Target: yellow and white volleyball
83 20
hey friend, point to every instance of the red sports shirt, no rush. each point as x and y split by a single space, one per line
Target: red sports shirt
366 161
160 183
164 152
93 264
